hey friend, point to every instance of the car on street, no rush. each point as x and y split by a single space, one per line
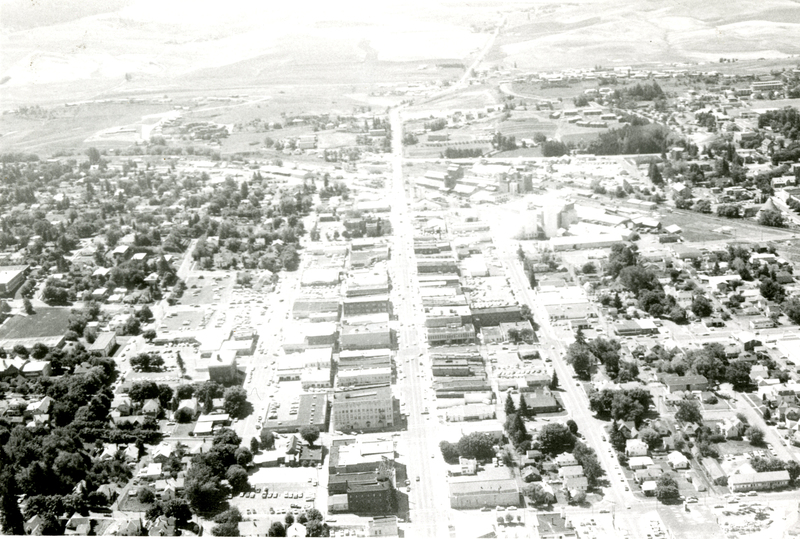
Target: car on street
417 478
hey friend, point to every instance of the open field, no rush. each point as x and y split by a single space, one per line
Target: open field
587 34
699 227
47 322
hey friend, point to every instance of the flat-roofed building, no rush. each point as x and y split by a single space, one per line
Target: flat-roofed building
356 359
103 344
363 408
365 337
469 492
309 409
364 377
452 334
11 277
758 481
366 305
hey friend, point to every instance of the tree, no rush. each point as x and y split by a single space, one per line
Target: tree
244 457
536 493
11 519
449 451
254 445
310 434
149 334
573 427
650 437
228 529
587 457
616 437
554 381
142 391
184 415
523 410
236 402
27 306
510 408
476 445
277 530
701 306
767 414
689 412
771 218
730 211
237 478
267 439
755 435
146 362
555 438
231 515
702 206
289 520
179 509
738 374
146 495
655 175
666 487
793 467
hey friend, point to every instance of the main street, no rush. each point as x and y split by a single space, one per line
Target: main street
428 498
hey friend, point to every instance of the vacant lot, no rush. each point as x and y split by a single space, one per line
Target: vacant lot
47 322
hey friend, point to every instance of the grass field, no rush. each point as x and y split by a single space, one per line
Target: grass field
47 322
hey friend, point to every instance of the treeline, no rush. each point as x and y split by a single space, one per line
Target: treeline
458 153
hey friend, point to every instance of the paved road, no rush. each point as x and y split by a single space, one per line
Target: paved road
428 499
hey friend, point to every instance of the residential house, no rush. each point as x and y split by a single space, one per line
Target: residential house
566 459
570 471
151 407
635 448
677 460
639 463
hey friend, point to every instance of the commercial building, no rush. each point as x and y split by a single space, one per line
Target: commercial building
222 368
364 377
494 316
363 408
383 526
370 358
103 344
308 409
365 305
758 481
473 493
452 334
689 382
11 277
365 337
350 455
627 328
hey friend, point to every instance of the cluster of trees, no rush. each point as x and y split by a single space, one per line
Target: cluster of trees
554 148
643 283
629 139
476 445
504 143
204 487
772 218
556 438
621 404
311 519
46 464
435 125
785 121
